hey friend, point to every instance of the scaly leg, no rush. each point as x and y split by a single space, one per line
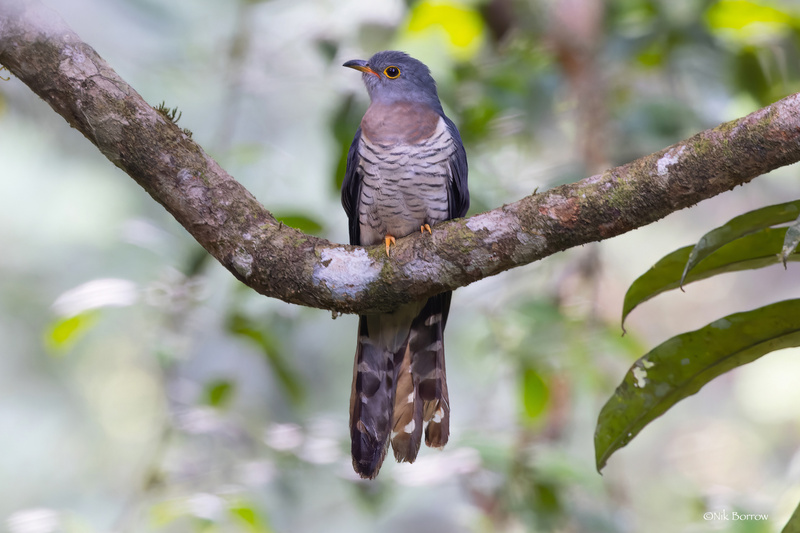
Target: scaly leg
389 240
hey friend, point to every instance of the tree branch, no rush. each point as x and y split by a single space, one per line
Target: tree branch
280 262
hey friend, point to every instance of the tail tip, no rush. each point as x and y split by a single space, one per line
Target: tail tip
367 469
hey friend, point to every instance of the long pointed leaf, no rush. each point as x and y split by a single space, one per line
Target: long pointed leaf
757 250
793 525
682 365
739 227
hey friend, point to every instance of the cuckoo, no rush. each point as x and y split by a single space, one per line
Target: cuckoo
406 172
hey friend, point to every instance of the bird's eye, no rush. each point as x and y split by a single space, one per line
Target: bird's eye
391 72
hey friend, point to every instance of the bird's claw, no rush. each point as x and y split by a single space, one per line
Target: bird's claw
425 227
389 240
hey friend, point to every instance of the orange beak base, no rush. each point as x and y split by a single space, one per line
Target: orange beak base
360 64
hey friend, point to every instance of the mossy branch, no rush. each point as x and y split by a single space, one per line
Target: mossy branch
278 261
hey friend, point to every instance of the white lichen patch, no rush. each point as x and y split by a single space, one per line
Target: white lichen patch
667 160
345 273
185 174
242 262
640 374
500 226
591 180
496 223
421 270
75 63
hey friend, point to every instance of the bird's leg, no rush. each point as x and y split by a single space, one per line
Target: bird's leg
389 240
425 227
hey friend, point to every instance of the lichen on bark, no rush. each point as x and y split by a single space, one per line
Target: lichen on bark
280 262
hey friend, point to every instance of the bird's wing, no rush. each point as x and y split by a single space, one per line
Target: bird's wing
458 193
351 189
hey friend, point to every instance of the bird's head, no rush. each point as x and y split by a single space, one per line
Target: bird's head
392 76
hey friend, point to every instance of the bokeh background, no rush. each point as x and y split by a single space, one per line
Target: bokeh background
142 388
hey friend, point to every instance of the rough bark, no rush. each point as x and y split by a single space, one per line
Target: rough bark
278 261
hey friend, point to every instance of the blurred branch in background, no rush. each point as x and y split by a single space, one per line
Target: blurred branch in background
281 262
575 35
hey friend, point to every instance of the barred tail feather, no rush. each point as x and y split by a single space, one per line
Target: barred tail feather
399 384
371 403
426 343
437 414
407 418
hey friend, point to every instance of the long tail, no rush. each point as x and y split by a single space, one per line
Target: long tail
399 383
422 383
371 403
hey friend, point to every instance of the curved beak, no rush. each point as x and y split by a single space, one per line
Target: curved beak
360 64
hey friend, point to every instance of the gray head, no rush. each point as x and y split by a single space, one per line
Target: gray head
392 76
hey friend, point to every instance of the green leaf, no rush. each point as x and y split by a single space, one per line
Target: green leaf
750 74
344 124
682 365
753 251
65 332
737 14
219 393
535 393
163 513
248 516
790 241
793 525
304 223
461 25
739 227
241 325
652 56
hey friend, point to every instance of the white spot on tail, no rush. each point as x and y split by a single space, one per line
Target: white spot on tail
434 346
438 416
433 319
411 396
410 427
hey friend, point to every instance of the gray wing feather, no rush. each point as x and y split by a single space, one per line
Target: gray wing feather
458 193
351 189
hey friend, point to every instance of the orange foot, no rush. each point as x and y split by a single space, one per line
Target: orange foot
389 240
425 227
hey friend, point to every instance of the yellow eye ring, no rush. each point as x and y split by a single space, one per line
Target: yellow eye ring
391 72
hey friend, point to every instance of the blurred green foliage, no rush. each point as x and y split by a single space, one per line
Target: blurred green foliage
64 332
